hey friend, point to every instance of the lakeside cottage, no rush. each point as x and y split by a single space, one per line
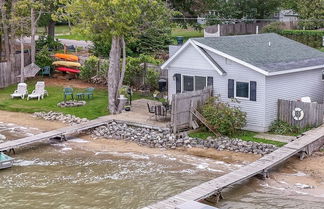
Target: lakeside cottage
257 70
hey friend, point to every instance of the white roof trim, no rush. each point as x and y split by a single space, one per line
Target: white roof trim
200 52
296 70
232 58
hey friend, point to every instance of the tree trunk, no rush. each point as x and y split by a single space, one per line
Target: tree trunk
114 74
123 64
5 31
33 34
22 60
51 29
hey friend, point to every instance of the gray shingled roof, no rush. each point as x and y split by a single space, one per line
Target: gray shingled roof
282 54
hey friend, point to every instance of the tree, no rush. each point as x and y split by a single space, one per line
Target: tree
115 20
312 12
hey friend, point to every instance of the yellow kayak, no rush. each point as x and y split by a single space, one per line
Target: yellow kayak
66 64
67 57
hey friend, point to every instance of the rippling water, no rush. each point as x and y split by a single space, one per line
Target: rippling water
60 176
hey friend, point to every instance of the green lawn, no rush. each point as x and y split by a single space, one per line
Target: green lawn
187 33
72 36
59 29
321 49
94 108
243 135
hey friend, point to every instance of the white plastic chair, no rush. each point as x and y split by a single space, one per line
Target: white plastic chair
39 91
21 91
306 99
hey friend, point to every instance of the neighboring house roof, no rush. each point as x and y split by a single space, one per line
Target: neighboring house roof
289 12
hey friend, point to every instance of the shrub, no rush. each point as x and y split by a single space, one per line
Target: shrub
224 118
282 128
135 72
89 68
274 27
151 79
49 43
43 58
309 37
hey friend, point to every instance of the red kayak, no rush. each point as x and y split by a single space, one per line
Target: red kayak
68 70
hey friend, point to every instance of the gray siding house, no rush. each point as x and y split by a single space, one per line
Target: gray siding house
257 70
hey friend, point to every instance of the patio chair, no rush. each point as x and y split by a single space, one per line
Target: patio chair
21 91
89 92
45 71
151 109
160 111
39 91
68 91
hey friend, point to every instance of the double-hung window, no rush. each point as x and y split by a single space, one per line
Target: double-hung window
242 89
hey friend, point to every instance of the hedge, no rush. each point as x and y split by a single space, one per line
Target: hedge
311 38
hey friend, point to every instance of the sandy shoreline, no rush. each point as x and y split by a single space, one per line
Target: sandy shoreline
288 176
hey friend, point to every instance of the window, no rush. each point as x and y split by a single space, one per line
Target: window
323 75
200 82
242 89
188 83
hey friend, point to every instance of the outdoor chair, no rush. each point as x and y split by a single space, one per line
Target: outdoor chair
151 109
46 71
89 92
160 111
68 92
21 91
39 91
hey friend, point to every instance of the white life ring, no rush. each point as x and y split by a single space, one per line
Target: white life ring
298 114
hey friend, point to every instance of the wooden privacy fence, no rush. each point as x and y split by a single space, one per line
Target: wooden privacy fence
300 114
182 104
8 76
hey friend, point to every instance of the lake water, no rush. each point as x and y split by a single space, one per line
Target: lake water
65 175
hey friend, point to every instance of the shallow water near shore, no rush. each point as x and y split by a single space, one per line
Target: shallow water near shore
91 174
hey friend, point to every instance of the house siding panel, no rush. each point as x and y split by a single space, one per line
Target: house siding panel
292 86
190 62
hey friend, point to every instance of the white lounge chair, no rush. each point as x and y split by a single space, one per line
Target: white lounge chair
39 91
21 91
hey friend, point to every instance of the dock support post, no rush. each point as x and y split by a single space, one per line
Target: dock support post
264 175
303 154
215 198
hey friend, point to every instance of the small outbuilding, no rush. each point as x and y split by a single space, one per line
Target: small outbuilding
257 70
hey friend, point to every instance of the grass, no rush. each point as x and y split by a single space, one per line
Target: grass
186 33
94 108
72 36
243 135
59 29
321 49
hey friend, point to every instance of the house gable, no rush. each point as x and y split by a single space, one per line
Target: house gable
192 57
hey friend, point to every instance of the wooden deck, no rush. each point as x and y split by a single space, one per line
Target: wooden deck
55 133
308 143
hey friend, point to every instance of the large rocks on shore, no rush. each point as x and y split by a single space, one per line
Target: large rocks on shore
2 137
72 103
161 138
70 119
165 139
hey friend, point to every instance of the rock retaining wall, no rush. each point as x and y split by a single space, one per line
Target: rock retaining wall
65 118
165 139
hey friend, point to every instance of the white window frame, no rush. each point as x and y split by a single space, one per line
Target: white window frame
194 81
322 75
242 98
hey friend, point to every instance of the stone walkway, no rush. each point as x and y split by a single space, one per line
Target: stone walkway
273 137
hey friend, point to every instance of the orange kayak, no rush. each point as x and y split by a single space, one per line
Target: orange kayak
68 57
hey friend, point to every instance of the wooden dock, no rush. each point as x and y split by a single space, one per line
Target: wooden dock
62 132
305 145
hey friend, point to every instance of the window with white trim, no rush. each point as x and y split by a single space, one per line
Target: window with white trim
322 75
242 89
188 83
200 82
